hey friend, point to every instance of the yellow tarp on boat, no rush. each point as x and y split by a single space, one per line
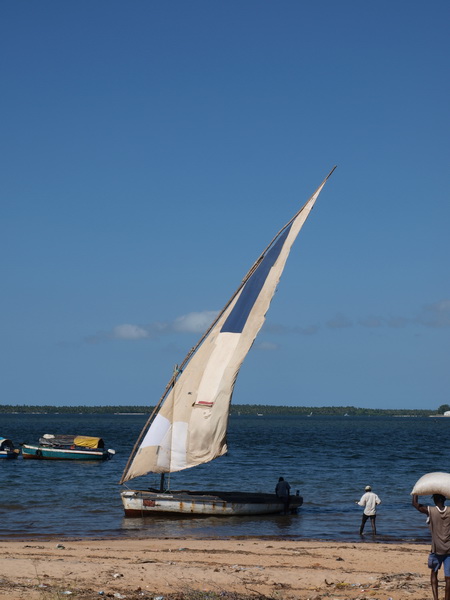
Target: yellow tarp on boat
88 442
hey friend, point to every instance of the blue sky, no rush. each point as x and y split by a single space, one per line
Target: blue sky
150 150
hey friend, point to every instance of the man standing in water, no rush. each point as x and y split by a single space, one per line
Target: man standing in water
439 520
369 500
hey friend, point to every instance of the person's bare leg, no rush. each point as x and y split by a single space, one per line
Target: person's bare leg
363 522
447 588
434 585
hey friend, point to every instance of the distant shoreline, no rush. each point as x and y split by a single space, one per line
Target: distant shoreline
236 410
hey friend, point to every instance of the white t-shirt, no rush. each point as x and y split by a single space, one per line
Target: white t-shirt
369 500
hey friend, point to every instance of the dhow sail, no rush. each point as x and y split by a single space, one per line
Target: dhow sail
189 425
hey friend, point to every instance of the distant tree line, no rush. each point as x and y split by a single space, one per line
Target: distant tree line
243 409
48 409
329 410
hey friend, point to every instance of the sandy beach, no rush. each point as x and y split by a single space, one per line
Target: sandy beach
163 568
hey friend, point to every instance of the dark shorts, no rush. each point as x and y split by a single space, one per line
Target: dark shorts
436 560
371 517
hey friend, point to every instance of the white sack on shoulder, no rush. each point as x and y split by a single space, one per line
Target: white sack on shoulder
433 483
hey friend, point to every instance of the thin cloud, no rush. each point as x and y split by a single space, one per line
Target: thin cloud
277 329
129 332
310 330
196 322
266 346
435 315
371 321
340 321
397 322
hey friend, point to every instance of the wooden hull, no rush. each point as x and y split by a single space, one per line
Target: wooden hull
48 453
147 503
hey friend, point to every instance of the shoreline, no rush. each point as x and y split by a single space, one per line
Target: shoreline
185 568
364 539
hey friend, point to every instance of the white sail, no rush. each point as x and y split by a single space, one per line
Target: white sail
190 427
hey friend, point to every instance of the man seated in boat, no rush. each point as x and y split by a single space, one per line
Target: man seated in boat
282 490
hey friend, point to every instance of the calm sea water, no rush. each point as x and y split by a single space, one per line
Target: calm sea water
329 459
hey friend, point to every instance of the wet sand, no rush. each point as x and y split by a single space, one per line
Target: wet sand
149 568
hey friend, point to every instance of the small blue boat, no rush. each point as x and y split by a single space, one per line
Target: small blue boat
7 449
67 447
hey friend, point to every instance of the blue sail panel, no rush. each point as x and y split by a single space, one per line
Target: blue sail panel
237 319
